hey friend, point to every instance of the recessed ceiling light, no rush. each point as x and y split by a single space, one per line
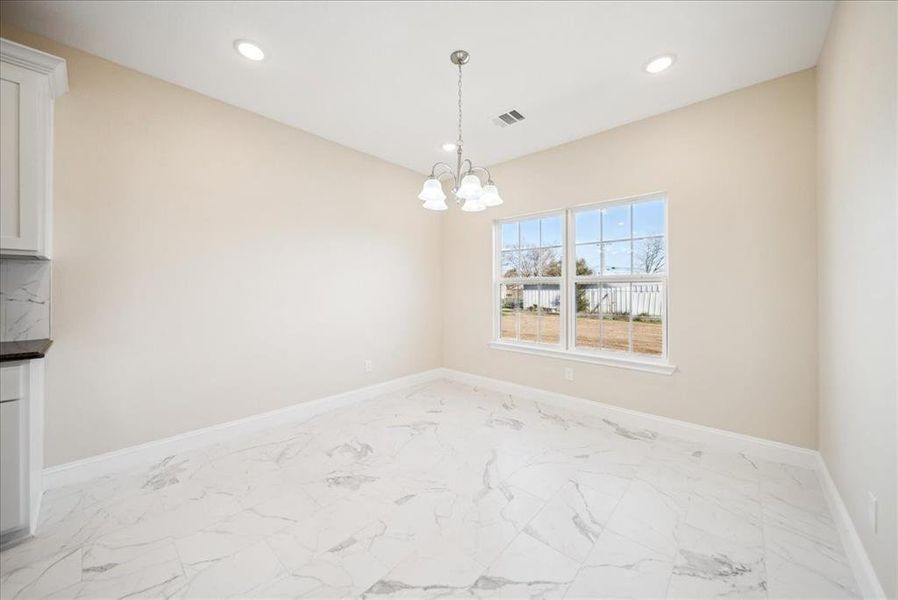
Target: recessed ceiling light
660 63
249 50
449 147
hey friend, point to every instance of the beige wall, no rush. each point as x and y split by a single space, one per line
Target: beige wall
739 172
201 248
858 166
212 264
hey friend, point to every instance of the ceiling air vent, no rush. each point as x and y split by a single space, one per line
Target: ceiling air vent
509 118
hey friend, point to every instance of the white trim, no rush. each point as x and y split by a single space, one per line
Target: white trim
864 574
720 438
41 78
35 60
146 454
566 348
497 280
36 390
627 361
867 581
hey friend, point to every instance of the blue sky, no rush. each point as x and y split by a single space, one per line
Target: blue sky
595 230
591 226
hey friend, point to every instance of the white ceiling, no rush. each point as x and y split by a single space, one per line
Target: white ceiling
376 76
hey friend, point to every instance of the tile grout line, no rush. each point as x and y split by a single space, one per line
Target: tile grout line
673 559
644 473
604 529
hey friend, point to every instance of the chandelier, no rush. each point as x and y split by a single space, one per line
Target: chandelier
467 186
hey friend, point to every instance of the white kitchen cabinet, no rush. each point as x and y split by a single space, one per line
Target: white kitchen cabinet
29 81
13 483
21 448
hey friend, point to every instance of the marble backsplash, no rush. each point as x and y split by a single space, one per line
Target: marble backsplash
24 299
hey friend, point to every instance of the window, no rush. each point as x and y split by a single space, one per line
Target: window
589 282
531 264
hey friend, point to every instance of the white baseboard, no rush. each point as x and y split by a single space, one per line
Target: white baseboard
720 438
86 469
735 442
146 454
860 563
150 452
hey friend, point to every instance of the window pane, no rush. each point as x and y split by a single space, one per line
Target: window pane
589 259
529 262
550 262
530 314
551 231
615 309
648 256
621 313
587 305
648 307
530 233
509 235
509 306
586 226
648 218
617 258
550 314
510 263
616 223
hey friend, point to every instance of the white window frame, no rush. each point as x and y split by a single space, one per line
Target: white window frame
499 280
569 280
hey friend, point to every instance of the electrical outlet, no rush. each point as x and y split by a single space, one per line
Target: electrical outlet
872 511
569 373
369 366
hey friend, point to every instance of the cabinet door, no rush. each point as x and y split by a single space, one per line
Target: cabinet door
12 505
23 164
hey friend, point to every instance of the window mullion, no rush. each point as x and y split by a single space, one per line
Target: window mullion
565 277
570 299
605 288
632 259
630 316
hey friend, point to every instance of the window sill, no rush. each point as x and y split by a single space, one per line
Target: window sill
646 365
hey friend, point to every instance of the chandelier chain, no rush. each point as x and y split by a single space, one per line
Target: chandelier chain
459 108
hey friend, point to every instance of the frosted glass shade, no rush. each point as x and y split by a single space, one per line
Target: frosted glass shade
470 188
435 205
490 196
432 192
473 205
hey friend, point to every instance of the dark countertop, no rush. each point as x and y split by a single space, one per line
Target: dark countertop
24 350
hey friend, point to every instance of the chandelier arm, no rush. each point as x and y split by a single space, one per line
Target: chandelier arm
447 175
489 177
439 164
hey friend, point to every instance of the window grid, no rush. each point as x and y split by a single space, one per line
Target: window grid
538 284
642 288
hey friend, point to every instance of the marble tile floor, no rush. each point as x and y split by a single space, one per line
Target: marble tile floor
440 491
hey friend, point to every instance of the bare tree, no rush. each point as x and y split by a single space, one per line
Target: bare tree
532 262
650 256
